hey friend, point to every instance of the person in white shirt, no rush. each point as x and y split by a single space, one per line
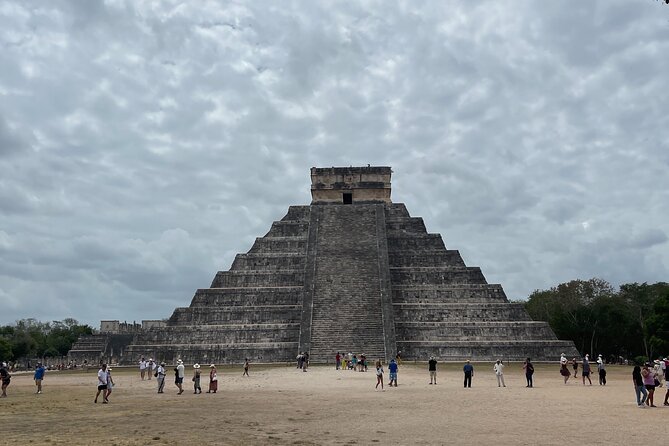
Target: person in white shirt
179 372
142 367
102 384
161 377
564 370
499 373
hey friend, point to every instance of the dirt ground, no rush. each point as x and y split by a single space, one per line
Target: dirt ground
282 405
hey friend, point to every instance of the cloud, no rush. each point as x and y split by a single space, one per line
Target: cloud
143 144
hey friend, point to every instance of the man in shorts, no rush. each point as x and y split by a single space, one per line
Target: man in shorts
39 376
179 372
432 368
102 384
6 378
392 368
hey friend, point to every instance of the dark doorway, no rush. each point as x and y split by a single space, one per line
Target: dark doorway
348 198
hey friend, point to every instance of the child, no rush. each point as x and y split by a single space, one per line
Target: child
379 375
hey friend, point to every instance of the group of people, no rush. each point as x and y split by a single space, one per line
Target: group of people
649 377
585 369
351 362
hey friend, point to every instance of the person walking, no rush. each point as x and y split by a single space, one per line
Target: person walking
586 369
498 367
149 367
213 379
160 375
574 365
639 387
110 384
432 368
392 373
468 369
246 367
40 370
179 372
529 372
379 374
102 384
337 361
142 367
601 370
564 371
6 378
649 384
666 381
305 362
196 379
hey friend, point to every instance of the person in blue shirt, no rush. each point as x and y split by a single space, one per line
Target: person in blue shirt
392 369
39 376
469 372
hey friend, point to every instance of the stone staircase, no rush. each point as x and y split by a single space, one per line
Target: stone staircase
91 348
347 309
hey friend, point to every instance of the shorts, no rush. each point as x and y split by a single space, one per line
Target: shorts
586 373
102 387
178 380
6 381
650 386
38 382
433 373
392 376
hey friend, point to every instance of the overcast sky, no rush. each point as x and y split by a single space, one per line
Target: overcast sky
144 143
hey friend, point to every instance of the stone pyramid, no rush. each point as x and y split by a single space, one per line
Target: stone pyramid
352 272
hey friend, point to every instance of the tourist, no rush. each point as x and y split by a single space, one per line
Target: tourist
529 372
392 372
379 374
102 384
666 381
574 365
337 361
142 367
39 376
160 374
110 384
398 357
639 387
246 367
657 373
196 379
213 379
149 367
586 369
649 383
6 379
300 360
432 368
564 371
601 370
498 367
469 373
179 372
363 362
354 361
305 363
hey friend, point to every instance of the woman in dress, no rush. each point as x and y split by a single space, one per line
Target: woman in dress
564 371
213 379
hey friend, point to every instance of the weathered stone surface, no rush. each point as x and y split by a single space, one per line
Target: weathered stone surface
364 277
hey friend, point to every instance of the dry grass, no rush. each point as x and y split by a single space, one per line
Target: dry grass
281 405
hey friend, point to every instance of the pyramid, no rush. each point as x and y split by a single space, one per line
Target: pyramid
351 272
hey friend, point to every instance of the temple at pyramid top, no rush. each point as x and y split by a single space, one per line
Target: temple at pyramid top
349 185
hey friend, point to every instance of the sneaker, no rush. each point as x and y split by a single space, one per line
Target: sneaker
641 406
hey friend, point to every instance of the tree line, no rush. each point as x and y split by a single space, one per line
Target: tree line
30 338
629 323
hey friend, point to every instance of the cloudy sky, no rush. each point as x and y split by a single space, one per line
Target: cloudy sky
144 143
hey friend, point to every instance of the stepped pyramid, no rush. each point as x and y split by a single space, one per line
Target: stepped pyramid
350 272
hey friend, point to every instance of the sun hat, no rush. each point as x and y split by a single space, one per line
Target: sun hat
196 366
212 366
179 361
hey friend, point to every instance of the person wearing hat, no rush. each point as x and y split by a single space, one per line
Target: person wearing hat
213 379
564 371
432 368
150 365
601 369
196 378
40 370
6 379
160 374
179 372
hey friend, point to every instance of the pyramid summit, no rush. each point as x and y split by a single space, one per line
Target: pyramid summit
351 272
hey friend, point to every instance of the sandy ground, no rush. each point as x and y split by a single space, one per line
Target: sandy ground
281 405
